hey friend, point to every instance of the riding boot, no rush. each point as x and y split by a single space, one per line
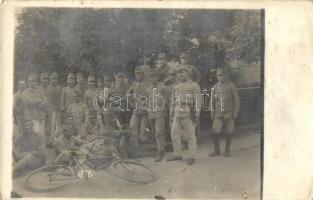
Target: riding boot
227 146
216 142
160 156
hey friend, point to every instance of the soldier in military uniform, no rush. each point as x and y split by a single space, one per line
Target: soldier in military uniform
18 107
28 149
225 109
100 83
109 112
184 114
93 126
170 83
139 120
194 71
79 111
91 92
81 82
54 91
67 96
35 104
44 82
162 65
158 95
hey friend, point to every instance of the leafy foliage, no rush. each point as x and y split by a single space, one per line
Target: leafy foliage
101 40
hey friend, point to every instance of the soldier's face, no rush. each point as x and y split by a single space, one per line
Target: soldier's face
71 81
44 81
183 60
162 60
139 76
92 83
80 78
100 84
33 83
220 77
108 82
183 75
54 80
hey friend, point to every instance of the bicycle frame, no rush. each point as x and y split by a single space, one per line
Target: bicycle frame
106 165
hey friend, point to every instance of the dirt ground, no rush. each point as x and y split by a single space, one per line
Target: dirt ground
210 177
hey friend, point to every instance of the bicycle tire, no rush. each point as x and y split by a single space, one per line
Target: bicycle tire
34 184
133 171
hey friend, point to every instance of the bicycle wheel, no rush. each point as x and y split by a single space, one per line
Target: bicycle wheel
49 178
133 171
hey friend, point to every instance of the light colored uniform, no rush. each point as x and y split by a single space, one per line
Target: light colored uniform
225 104
185 107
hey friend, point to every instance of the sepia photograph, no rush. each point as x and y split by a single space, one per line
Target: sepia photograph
147 103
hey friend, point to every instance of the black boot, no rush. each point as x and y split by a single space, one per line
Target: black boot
216 141
227 146
160 156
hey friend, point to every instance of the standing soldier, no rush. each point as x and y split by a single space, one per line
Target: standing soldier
170 83
158 95
18 107
194 71
184 113
121 86
67 96
139 120
100 83
79 111
81 82
54 92
44 82
35 103
109 92
162 65
91 92
224 110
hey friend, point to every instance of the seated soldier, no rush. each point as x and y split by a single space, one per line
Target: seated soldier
99 147
28 149
93 127
127 147
66 144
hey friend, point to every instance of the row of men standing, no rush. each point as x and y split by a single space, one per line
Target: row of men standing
45 103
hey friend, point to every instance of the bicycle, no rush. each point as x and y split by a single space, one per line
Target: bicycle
53 177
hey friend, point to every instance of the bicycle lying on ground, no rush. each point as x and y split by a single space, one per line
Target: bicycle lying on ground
54 177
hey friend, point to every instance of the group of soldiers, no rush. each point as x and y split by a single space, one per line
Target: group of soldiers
65 119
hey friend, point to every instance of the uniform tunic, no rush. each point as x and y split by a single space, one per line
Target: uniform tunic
67 96
225 105
158 100
89 97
